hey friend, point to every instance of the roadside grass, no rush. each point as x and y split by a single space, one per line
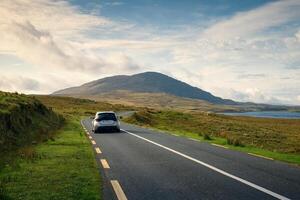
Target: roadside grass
61 168
274 138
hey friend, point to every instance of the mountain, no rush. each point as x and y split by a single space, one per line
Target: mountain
147 82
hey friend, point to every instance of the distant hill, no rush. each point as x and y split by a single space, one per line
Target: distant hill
147 82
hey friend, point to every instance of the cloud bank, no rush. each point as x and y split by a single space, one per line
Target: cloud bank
42 33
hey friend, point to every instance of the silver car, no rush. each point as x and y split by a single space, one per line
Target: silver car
106 121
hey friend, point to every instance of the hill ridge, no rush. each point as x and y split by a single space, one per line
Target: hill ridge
151 82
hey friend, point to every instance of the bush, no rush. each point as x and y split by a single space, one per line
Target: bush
206 136
142 117
234 142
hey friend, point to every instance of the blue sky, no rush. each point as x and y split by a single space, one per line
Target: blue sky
243 50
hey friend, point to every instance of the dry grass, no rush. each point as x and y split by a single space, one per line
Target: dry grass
279 135
68 106
157 100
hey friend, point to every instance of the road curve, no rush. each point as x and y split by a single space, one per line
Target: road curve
153 165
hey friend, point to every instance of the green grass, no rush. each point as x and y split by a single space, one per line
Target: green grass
61 165
61 168
275 138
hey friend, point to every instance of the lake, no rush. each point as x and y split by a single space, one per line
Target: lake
267 114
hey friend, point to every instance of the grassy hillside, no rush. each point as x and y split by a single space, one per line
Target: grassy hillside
23 120
148 82
280 138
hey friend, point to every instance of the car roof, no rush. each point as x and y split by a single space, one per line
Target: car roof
112 112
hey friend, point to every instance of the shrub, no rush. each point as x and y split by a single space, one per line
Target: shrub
234 141
143 117
206 136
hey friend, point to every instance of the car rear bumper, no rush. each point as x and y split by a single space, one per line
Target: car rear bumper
107 129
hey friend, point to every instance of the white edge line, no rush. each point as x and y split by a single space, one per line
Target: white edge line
269 192
218 145
118 190
253 154
194 139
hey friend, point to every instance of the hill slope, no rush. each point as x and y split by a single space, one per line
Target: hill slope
24 119
159 101
148 82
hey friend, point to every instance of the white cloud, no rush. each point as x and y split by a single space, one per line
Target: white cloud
42 33
114 3
17 83
58 17
298 99
255 21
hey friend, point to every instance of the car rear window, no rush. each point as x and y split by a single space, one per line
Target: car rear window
106 116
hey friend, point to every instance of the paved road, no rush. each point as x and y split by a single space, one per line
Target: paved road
153 165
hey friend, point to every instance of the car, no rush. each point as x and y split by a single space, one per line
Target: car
106 121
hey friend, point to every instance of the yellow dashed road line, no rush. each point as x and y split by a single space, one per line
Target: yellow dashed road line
97 149
104 164
118 190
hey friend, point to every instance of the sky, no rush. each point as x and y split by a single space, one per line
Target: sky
242 50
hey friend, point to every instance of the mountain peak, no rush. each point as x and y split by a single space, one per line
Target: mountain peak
150 82
149 73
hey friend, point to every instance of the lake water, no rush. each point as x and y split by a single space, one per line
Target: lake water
268 114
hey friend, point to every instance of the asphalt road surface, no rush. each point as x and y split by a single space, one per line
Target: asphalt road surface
147 164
